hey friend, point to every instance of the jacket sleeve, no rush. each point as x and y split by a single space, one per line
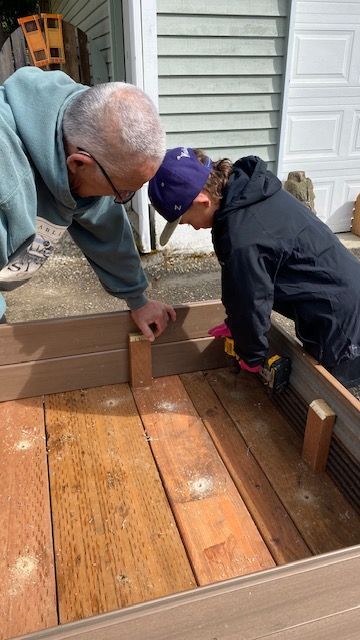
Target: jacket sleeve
2 308
247 294
104 235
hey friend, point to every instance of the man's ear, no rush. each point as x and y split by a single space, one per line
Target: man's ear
77 161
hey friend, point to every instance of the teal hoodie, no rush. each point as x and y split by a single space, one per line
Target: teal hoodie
36 204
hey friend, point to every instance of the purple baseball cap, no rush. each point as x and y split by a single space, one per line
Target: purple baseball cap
176 184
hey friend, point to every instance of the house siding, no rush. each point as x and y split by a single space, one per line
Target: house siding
321 115
92 17
221 67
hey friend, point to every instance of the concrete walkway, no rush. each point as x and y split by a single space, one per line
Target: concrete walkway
67 285
350 240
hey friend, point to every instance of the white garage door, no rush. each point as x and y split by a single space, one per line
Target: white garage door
322 124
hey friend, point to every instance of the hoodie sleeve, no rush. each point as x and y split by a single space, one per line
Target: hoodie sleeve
2 308
104 235
248 294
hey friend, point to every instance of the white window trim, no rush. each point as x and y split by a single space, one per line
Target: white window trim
287 76
140 43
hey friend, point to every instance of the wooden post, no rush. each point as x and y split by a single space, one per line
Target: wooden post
140 360
319 427
355 221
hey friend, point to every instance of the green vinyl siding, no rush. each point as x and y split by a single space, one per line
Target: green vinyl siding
221 67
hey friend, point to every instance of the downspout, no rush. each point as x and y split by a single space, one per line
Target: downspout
139 18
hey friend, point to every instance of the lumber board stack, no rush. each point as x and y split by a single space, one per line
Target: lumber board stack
155 491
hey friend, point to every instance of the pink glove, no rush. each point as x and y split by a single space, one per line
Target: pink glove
246 367
220 331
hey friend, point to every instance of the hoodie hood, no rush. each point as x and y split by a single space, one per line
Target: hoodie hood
250 182
37 100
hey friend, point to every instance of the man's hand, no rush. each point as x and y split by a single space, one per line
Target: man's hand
153 317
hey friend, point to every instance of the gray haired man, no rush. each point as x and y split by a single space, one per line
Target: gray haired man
65 148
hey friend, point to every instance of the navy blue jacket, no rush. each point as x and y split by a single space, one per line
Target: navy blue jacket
276 254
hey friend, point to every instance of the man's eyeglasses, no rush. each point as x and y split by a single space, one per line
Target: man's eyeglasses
122 197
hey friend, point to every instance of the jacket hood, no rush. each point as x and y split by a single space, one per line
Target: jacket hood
249 182
37 100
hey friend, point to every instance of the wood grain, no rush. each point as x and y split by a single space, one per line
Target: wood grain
27 580
219 534
319 427
320 512
71 64
270 516
85 75
116 541
140 360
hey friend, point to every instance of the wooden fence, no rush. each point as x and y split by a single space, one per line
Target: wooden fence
14 54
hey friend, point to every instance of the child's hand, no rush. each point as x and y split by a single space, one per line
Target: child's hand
220 331
246 367
223 331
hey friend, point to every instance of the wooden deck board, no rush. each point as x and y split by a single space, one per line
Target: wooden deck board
220 536
273 521
320 512
27 580
116 541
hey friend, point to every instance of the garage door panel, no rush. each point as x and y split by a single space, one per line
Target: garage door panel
322 56
312 133
324 190
322 125
334 10
354 142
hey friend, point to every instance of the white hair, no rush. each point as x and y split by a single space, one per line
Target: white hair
117 123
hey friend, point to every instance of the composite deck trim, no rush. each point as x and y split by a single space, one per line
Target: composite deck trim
56 338
255 605
312 381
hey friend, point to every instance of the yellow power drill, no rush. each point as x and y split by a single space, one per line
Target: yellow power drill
275 373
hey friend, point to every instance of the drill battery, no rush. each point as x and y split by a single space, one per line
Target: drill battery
276 373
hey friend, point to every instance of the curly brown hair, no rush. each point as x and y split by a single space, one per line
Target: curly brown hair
219 175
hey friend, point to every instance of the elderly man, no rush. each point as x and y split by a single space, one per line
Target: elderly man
65 148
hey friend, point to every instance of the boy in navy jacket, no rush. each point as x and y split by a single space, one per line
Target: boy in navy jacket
274 254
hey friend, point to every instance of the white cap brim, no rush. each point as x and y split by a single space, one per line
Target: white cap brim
167 231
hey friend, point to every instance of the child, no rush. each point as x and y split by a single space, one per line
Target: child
274 254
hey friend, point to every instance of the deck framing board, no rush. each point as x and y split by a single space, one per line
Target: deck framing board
313 381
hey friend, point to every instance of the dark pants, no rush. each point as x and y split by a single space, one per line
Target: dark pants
347 372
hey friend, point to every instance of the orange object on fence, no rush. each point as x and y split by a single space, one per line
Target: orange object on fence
35 40
45 47
54 37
